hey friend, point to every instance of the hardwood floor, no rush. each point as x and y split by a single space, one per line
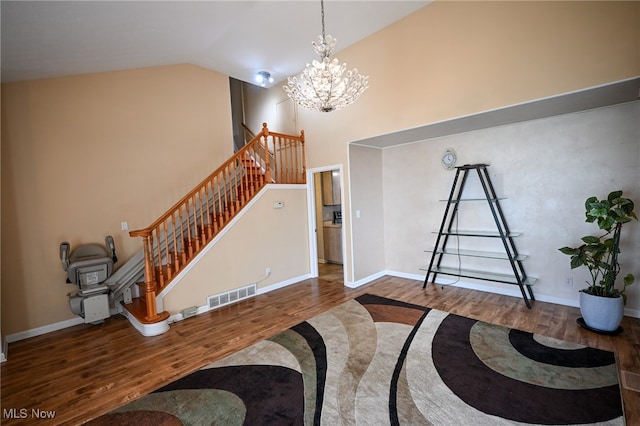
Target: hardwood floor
84 371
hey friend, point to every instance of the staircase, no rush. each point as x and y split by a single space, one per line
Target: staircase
175 239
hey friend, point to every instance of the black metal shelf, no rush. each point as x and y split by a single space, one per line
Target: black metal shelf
502 232
482 234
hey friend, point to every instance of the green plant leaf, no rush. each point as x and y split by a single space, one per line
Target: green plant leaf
591 240
615 194
599 209
570 251
577 261
606 222
629 279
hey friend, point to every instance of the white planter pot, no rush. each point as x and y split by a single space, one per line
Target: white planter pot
601 313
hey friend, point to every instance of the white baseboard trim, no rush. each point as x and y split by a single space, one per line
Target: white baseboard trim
514 292
5 350
205 308
44 329
366 280
504 291
282 284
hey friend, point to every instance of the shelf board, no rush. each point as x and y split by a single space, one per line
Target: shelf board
473 199
487 234
477 253
481 275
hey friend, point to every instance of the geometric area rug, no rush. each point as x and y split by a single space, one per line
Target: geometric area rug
378 361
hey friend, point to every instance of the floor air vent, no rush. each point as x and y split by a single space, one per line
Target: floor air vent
231 296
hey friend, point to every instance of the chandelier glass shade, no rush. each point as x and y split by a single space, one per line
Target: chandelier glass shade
326 85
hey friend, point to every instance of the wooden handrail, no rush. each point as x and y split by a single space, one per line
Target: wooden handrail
248 131
177 236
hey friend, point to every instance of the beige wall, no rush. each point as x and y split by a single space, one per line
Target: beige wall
75 151
253 244
82 154
368 198
452 59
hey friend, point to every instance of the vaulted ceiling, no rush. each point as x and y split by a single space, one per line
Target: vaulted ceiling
42 39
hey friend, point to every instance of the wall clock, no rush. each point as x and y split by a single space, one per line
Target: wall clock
449 159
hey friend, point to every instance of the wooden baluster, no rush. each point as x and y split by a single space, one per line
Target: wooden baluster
203 231
208 192
275 163
249 181
267 166
257 168
288 161
296 165
244 166
193 222
255 174
235 187
236 191
181 236
167 253
225 193
221 206
176 254
160 278
280 161
217 203
186 226
285 162
245 182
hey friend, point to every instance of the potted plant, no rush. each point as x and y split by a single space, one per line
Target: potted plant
601 303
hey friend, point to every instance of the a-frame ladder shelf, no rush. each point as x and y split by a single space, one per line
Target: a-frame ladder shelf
449 228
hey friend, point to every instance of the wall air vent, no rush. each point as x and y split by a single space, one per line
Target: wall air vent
231 296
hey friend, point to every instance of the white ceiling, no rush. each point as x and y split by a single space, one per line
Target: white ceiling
42 39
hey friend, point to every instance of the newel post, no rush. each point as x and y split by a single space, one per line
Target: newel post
150 280
267 166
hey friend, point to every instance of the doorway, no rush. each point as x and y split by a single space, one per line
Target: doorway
326 235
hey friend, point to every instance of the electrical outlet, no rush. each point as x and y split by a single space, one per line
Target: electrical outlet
568 281
124 226
267 271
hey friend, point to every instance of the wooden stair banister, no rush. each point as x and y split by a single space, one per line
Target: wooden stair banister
176 237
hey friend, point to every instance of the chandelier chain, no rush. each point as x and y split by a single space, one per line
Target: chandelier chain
324 37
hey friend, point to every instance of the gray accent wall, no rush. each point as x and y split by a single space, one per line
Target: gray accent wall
545 168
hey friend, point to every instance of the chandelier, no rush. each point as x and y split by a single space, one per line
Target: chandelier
326 85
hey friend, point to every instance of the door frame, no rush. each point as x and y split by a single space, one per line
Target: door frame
311 215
